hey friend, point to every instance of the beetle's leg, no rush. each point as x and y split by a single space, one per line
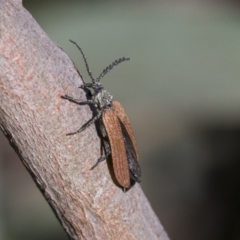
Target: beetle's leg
86 85
75 100
106 147
101 159
86 125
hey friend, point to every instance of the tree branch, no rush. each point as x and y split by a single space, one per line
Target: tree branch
34 74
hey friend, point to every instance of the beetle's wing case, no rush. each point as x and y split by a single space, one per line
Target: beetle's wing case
118 108
118 151
133 165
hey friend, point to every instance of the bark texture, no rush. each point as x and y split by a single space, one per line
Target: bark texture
34 73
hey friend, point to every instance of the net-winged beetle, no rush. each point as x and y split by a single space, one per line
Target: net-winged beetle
115 128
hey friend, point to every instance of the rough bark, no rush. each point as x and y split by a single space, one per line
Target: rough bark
34 73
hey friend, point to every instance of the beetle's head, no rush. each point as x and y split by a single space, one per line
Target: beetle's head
97 86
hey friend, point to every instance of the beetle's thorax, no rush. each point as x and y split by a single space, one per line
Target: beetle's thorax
103 98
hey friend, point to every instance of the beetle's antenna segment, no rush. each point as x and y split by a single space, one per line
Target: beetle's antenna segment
85 60
111 66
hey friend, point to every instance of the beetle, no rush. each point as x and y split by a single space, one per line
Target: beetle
115 128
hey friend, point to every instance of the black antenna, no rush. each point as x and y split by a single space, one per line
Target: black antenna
85 60
111 66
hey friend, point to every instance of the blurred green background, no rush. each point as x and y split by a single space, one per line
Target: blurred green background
181 91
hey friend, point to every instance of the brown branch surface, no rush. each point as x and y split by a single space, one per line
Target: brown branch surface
34 73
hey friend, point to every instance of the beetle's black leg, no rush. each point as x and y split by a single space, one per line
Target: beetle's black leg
106 147
75 100
86 85
101 159
86 125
